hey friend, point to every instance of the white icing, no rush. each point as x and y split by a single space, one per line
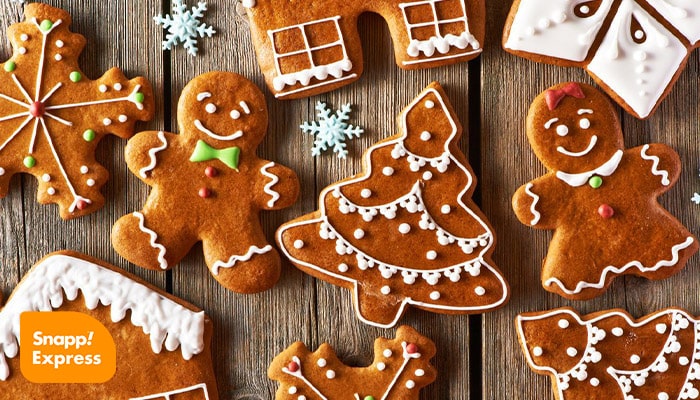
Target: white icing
359 234
58 57
385 290
366 193
406 359
22 50
404 228
431 255
562 130
330 374
566 152
235 114
551 122
274 179
61 276
59 43
249 3
343 267
617 331
619 270
537 351
103 88
479 291
24 37
387 353
425 136
381 366
584 123
584 111
298 244
143 172
580 179
427 175
563 324
253 250
321 362
2 171
153 240
684 15
536 216
300 375
614 61
655 166
210 108
445 209
429 104
203 95
387 171
90 182
168 395
122 118
435 295
84 169
245 107
198 124
46 178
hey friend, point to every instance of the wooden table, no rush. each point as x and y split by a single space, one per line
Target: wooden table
478 356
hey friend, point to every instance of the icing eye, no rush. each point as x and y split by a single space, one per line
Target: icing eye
235 114
211 108
587 8
584 123
562 130
637 32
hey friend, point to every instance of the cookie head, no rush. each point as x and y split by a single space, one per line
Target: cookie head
223 107
573 128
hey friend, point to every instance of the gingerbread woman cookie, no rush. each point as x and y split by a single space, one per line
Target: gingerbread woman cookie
209 186
52 116
598 197
405 231
610 355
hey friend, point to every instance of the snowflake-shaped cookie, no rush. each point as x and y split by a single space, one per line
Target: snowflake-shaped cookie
184 26
52 116
331 130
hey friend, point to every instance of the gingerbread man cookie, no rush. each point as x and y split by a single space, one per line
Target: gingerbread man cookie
52 116
598 197
209 186
405 231
400 369
610 355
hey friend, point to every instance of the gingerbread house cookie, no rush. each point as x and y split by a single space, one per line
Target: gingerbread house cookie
309 47
163 344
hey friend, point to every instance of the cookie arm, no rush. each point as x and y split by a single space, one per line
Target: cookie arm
658 166
144 152
532 205
276 187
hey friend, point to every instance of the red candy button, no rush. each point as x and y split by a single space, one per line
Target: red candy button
37 109
204 193
411 348
293 367
211 172
81 204
606 211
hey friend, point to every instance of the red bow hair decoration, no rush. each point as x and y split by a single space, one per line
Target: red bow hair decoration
555 96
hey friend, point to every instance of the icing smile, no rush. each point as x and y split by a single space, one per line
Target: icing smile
591 145
198 124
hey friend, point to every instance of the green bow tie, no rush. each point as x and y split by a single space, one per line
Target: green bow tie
228 156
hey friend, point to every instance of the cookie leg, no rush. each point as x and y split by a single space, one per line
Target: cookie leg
242 268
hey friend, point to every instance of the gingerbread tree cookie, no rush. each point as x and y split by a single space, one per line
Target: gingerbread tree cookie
400 369
598 197
52 116
610 355
209 186
405 231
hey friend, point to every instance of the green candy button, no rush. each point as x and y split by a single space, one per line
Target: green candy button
89 135
46 25
595 182
29 161
10 66
369 398
139 97
75 76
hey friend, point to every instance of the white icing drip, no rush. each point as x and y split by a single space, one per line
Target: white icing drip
274 179
606 169
675 250
198 124
300 375
416 162
153 240
167 395
253 250
655 166
166 322
152 154
203 95
533 210
591 145
442 44
406 359
320 72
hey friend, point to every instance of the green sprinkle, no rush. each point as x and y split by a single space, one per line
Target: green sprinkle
369 398
75 76
139 97
10 66
46 25
595 182
29 161
89 135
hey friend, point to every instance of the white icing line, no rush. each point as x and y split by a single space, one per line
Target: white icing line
433 59
655 166
152 154
299 375
274 180
203 95
606 169
253 250
51 92
535 198
40 69
615 270
591 145
22 89
406 359
13 100
166 395
130 98
153 240
198 124
585 111
16 132
551 122
245 107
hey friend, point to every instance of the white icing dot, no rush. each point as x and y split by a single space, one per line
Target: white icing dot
292 389
51 191
404 228
59 43
298 244
235 114
410 384
585 9
46 178
640 55
425 136
537 351
90 182
22 50
429 104
84 169
431 255
661 328
330 374
385 290
640 69
559 17
107 121
122 118
563 324
584 123
617 331
638 34
103 88
480 291
562 130
366 193
343 267
211 108
571 352
683 361
388 171
435 295
321 362
2 171
663 396
420 372
387 353
544 23
249 3
594 382
117 86
302 397
58 57
635 359
359 234
445 209
530 31
24 37
381 366
427 175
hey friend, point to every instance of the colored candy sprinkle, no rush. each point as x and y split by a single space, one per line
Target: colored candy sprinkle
75 76
204 193
10 66
211 172
595 182
369 398
411 348
293 367
29 161
46 25
89 135
606 211
81 204
139 97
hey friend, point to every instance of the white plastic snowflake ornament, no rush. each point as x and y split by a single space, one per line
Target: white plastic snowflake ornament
331 130
184 26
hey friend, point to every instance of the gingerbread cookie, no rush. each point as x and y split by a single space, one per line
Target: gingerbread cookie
209 186
599 197
146 324
610 355
634 49
52 116
400 369
405 231
316 47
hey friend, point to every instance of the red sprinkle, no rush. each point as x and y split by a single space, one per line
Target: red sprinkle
293 367
211 172
204 193
411 348
37 109
606 211
81 204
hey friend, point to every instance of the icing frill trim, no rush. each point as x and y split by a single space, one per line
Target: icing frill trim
153 238
655 166
443 44
253 250
165 321
152 154
320 72
619 270
536 216
417 162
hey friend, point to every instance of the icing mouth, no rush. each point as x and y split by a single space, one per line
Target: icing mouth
591 145
198 124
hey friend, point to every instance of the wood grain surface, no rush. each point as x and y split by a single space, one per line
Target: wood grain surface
478 357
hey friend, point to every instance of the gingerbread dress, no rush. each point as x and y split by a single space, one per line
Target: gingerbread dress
599 198
406 230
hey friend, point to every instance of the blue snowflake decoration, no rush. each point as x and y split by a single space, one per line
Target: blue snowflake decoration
696 198
331 130
184 26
